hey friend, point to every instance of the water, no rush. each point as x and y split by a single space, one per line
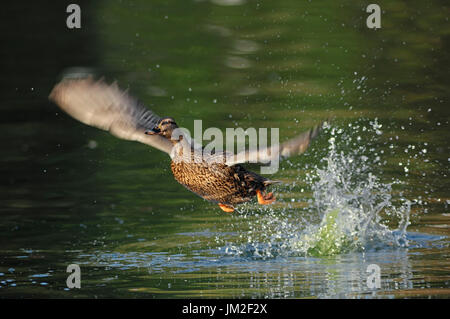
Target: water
347 198
372 189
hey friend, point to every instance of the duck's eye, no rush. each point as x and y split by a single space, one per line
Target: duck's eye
167 122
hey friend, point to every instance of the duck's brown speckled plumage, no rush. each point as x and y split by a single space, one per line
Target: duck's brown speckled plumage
208 176
219 183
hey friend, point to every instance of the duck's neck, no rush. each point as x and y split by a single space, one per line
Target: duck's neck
182 148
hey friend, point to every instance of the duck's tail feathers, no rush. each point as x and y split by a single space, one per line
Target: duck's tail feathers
270 182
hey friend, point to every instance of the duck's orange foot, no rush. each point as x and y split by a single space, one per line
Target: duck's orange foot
265 199
226 208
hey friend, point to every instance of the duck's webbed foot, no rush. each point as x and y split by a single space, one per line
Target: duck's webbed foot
265 199
226 208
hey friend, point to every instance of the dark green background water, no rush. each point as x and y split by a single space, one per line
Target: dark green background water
73 194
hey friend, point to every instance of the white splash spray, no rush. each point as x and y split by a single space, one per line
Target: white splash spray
356 210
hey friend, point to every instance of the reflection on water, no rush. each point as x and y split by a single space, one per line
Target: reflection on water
215 274
72 194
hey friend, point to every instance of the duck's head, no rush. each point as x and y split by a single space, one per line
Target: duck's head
165 128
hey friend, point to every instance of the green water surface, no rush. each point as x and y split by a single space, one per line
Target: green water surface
71 194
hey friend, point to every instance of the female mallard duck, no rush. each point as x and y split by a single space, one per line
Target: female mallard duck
224 182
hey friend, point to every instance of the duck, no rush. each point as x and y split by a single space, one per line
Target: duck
218 177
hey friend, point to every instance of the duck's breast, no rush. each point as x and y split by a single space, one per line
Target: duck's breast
214 182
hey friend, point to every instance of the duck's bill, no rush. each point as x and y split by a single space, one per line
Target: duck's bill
153 131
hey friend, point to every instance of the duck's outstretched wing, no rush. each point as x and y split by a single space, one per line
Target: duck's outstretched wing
294 146
105 106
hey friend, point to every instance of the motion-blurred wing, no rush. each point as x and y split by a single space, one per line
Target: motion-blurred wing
294 146
104 106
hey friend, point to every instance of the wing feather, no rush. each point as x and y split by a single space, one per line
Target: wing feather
292 147
106 107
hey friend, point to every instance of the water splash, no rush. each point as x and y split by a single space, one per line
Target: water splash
356 209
